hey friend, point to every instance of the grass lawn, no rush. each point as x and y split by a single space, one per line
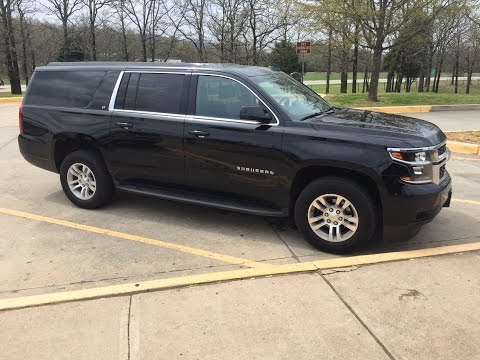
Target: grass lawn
445 96
7 95
336 75
472 137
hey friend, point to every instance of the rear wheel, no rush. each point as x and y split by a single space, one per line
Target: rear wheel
85 180
335 214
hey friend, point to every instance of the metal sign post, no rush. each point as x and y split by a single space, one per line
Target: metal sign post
303 47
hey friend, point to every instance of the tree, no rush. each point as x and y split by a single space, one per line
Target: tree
284 54
63 10
94 6
6 9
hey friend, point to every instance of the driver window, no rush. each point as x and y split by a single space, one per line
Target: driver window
222 98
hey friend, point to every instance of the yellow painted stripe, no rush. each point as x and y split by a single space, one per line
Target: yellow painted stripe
465 201
163 284
142 239
465 158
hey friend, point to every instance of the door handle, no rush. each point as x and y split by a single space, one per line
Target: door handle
124 125
199 133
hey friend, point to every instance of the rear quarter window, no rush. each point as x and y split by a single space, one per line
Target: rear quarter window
63 88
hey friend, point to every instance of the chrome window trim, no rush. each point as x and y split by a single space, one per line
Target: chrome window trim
141 112
200 118
111 104
236 120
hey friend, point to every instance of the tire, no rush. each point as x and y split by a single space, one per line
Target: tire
355 224
86 170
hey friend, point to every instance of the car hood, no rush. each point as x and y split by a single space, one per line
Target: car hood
415 132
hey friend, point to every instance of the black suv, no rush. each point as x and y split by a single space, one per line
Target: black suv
233 137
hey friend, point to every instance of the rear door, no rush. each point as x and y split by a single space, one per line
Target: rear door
147 127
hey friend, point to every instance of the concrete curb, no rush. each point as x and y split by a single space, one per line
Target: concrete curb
455 107
399 109
11 100
463 148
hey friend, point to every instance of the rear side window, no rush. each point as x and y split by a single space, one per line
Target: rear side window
161 93
64 88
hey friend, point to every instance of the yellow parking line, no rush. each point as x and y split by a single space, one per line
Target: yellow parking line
465 158
142 239
163 284
465 201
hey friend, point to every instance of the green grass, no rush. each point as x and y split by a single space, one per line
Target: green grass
7 95
399 99
336 75
445 96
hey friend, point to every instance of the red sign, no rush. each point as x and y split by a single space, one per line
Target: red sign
303 47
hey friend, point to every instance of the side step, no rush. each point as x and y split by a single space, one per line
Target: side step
198 198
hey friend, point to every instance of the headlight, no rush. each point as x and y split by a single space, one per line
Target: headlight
418 162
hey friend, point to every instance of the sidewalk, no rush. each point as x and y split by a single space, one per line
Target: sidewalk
417 309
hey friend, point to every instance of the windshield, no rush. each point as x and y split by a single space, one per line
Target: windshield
293 97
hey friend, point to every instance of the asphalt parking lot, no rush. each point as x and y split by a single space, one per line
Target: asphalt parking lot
48 246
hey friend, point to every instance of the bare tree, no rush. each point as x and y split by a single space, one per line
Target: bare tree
263 24
6 10
227 20
195 26
94 7
63 10
119 8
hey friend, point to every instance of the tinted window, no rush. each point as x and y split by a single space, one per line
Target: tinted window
222 98
160 93
131 93
64 88
101 98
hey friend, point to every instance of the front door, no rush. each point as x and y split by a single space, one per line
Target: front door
147 128
225 154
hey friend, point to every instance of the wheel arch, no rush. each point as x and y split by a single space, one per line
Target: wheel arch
309 173
66 143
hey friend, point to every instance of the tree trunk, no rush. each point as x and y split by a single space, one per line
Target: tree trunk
469 79
93 39
143 39
124 38
376 65
457 63
10 49
65 39
355 62
30 47
21 16
421 82
365 80
329 59
390 75
344 81
439 73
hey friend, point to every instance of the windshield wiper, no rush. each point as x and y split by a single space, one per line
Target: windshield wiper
318 113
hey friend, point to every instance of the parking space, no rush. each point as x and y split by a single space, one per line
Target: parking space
48 245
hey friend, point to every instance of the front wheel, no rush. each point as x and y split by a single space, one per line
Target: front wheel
335 214
85 179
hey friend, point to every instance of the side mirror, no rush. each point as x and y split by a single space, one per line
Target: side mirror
256 113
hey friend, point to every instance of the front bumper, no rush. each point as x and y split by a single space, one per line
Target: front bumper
407 205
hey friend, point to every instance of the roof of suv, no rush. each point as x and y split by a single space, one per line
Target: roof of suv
113 65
